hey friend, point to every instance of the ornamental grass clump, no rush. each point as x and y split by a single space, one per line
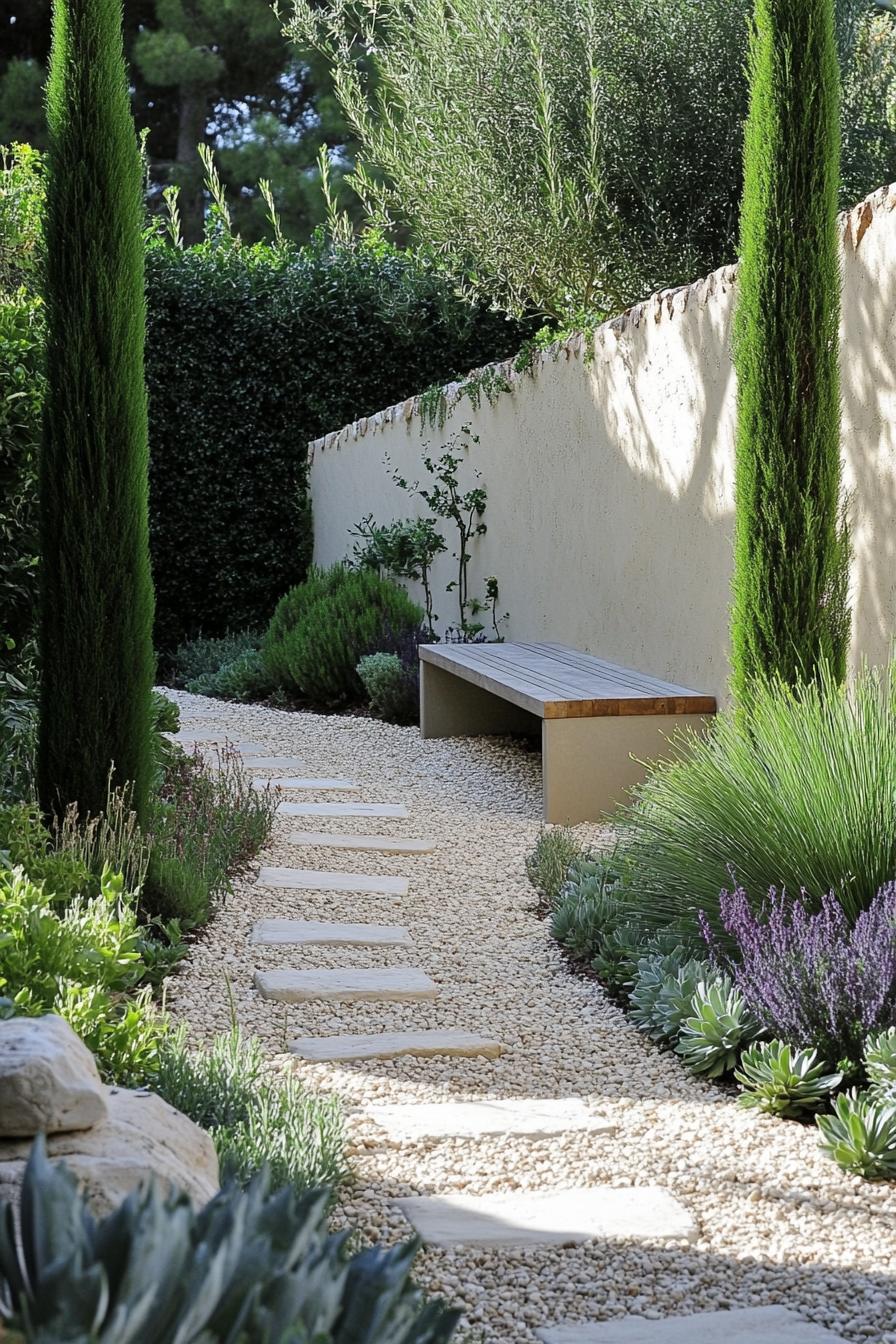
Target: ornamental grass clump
797 795
811 978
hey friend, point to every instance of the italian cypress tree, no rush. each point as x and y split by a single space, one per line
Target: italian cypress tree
790 611
96 651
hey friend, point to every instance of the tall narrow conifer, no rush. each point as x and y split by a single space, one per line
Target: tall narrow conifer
790 610
96 654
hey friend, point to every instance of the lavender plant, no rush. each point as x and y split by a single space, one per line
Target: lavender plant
811 978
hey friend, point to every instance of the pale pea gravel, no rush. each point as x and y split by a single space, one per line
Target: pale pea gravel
778 1222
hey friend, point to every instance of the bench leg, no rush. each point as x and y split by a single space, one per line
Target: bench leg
587 766
452 707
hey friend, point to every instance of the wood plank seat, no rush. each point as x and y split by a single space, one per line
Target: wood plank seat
597 719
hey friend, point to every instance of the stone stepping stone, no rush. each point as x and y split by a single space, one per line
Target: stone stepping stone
346 986
342 810
306 879
392 1044
549 1217
320 785
273 763
475 1119
752 1325
311 932
211 740
380 844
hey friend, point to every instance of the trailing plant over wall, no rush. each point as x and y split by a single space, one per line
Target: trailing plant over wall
790 609
96 651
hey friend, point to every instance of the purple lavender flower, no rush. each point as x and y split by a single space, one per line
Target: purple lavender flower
811 978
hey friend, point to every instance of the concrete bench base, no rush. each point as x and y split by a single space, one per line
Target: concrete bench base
589 762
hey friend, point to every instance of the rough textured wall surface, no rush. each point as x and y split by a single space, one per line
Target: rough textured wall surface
610 473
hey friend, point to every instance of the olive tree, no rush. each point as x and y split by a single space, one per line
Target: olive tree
569 155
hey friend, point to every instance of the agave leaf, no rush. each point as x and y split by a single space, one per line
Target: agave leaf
12 1277
55 1223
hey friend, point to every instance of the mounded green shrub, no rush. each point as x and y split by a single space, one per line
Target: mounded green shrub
251 352
96 654
790 612
202 657
392 689
243 679
321 629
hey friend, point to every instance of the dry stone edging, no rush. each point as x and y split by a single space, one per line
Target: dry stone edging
49 1082
750 1325
309 879
533 1116
314 932
393 1045
380 844
549 1217
346 986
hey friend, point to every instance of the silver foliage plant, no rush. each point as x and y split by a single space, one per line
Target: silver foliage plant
573 155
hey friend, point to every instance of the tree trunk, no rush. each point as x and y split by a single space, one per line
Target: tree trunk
191 132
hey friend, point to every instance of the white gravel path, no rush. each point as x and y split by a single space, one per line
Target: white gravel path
779 1223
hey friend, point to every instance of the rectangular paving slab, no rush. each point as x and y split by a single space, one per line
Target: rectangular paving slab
322 785
380 844
273 762
752 1325
549 1217
307 879
210 741
473 1119
342 810
316 932
392 1044
346 986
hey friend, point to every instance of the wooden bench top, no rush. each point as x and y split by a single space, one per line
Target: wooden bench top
556 682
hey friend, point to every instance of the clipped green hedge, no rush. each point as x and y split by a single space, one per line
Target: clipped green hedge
250 353
21 390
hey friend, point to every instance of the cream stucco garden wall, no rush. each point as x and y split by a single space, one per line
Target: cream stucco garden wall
610 479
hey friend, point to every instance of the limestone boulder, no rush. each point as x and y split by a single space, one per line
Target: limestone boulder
48 1079
141 1137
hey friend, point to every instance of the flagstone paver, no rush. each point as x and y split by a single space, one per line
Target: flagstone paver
318 785
549 1217
312 932
395 1044
307 879
342 810
382 844
752 1325
273 763
393 983
473 1119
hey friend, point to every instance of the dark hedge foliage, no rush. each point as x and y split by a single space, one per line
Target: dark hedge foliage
251 352
21 390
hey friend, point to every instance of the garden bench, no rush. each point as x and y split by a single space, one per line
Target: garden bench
597 719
